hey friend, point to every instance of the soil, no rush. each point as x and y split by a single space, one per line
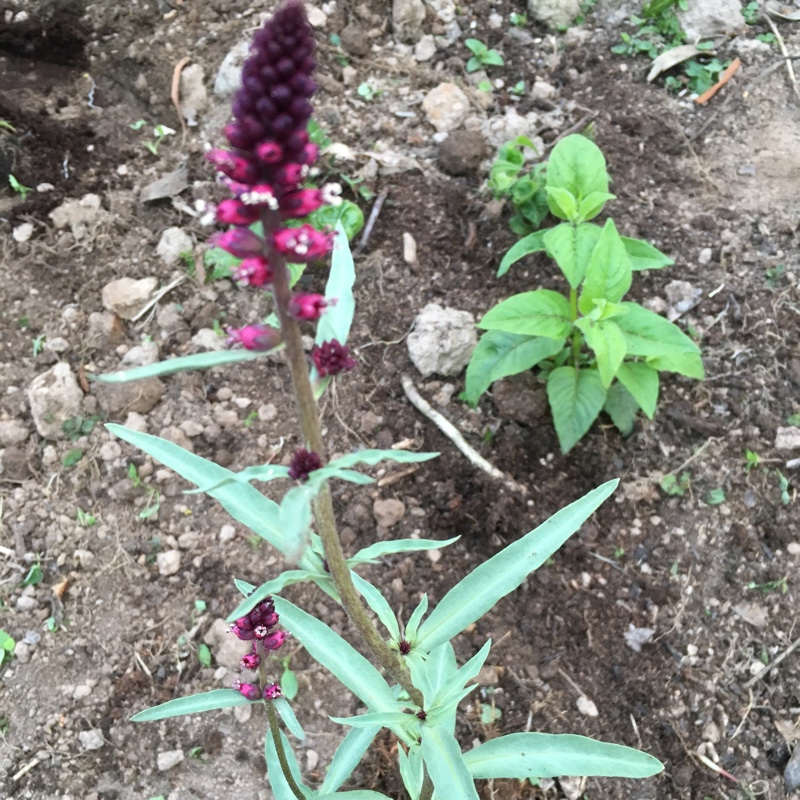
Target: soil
103 634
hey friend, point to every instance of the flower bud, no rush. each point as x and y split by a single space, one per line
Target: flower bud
301 203
272 691
303 462
251 691
235 212
307 307
255 337
274 640
303 244
239 242
250 660
254 271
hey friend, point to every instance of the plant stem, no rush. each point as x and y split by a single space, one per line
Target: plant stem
576 336
272 714
323 505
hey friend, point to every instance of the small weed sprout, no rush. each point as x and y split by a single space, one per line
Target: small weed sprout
482 56
22 191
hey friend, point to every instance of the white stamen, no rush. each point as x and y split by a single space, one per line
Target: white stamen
301 249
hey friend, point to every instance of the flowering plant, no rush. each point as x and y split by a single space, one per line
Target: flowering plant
412 685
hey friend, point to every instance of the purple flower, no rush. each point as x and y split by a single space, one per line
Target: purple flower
303 462
252 691
255 337
308 307
254 271
331 358
272 691
239 242
250 660
274 641
303 244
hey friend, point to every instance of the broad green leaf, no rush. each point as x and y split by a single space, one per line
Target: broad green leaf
416 617
571 247
577 165
532 243
608 344
277 780
593 204
576 397
649 334
337 656
243 502
371 554
608 275
372 457
689 364
546 755
562 203
194 704
347 213
644 255
284 708
347 757
445 764
482 588
499 355
493 58
621 406
641 380
378 603
538 313
182 364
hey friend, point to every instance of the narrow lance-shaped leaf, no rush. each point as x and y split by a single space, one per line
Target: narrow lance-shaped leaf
479 591
371 553
543 755
372 457
277 780
347 757
378 603
194 704
445 764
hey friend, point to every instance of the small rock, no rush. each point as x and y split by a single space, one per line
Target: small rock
226 533
787 439
520 398
56 344
554 13
489 675
388 511
586 706
705 255
370 422
22 652
174 434
169 562
425 48
13 431
209 339
409 249
191 428
791 775
119 399
229 75
446 107
268 412
461 152
126 296
444 9
572 787
194 97
14 464
227 648
174 242
141 355
54 398
752 613
317 18
110 451
105 330
79 215
26 602
167 759
541 90
354 40
84 557
82 692
442 340
136 422
711 732
92 739
407 18
189 540
793 548
495 21
636 637
682 297
705 18
22 232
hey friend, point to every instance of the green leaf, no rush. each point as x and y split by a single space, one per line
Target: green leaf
412 770
416 617
395 720
243 502
476 46
577 165
689 364
431 673
538 313
182 364
289 685
378 603
546 755
715 497
337 656
347 757
562 203
373 457
277 780
621 407
592 205
644 255
295 519
493 59
576 397
284 708
571 247
451 691
371 553
204 655
7 645
608 275
606 340
532 243
500 354
194 704
649 334
641 380
482 588
445 764
347 213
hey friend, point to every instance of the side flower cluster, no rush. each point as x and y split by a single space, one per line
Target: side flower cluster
258 627
267 167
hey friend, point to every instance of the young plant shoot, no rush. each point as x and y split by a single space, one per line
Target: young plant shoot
595 350
411 683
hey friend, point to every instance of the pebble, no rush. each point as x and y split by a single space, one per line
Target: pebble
167 759
57 344
110 451
126 297
226 417
191 428
141 355
388 511
445 107
442 340
172 244
425 48
226 533
82 692
22 652
169 562
54 397
13 431
22 232
227 648
92 739
172 433
27 603
586 706
84 557
136 422
793 548
787 439
189 540
267 412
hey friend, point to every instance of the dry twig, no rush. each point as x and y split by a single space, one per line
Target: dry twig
176 94
772 664
784 53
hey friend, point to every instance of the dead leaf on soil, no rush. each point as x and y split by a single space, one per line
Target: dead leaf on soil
671 58
789 730
752 613
167 186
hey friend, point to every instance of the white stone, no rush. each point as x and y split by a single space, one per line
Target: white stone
110 451
704 18
787 439
388 511
79 215
141 355
91 739
444 9
229 75
407 17
172 243
226 533
126 297
27 603
316 16
495 21
136 422
84 557
442 340
425 48
209 339
191 428
58 344
167 759
54 397
169 562
554 13
22 232
446 107
586 707
13 431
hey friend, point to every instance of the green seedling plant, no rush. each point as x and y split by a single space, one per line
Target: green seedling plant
410 681
7 645
594 350
675 485
22 191
482 56
85 519
751 460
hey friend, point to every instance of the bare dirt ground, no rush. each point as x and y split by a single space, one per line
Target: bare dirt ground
105 629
